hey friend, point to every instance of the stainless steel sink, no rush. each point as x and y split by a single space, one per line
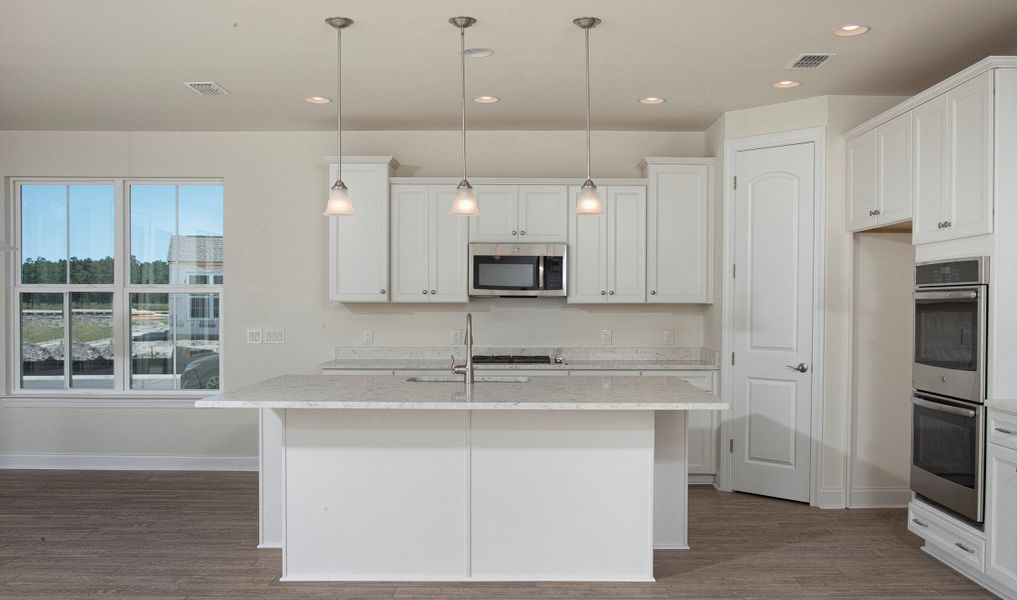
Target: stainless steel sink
459 379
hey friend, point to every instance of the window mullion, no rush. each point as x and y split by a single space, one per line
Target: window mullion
68 347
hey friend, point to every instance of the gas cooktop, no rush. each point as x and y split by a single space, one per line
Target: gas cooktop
507 359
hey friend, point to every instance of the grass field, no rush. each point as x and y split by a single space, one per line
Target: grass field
83 333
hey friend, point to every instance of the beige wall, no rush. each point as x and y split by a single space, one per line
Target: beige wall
882 329
276 264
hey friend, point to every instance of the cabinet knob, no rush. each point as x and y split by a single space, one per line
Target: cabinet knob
423 292
653 292
382 291
522 233
603 293
947 224
877 212
939 225
432 292
871 214
513 232
611 292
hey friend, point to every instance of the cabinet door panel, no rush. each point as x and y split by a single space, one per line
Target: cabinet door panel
1001 515
679 210
543 213
449 249
894 197
498 218
587 259
410 207
932 164
359 245
971 154
626 247
862 173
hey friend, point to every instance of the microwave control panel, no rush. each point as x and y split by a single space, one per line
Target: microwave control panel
554 273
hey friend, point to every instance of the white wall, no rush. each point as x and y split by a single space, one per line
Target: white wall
275 252
882 328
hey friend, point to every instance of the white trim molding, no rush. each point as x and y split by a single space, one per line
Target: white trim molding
127 462
816 136
879 497
831 498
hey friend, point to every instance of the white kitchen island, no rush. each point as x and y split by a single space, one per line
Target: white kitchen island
549 478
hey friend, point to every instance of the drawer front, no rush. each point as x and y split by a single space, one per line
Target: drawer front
1003 429
951 537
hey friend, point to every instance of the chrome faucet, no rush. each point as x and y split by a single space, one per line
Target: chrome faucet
466 369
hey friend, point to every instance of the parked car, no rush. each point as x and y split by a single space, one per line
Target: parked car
201 373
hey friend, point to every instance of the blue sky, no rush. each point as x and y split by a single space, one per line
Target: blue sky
44 213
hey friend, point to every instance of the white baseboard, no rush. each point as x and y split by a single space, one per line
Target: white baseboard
832 498
122 462
879 497
701 479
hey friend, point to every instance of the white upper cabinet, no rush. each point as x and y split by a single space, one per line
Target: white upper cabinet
358 245
862 166
953 139
520 213
607 260
679 230
879 174
429 246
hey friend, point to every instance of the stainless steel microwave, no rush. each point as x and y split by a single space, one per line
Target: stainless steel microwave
520 270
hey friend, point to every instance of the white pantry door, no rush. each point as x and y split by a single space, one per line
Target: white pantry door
773 309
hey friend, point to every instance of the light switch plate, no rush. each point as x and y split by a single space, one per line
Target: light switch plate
605 337
274 336
669 337
253 336
367 337
456 337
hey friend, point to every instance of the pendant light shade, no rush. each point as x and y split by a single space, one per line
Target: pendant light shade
339 202
465 202
588 202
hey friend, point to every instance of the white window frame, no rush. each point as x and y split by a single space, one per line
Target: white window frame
121 395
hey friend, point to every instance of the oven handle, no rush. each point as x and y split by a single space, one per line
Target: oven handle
944 408
952 295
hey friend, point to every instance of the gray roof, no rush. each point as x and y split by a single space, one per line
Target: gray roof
195 249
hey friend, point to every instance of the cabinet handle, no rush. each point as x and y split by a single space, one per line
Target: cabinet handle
1006 431
522 233
611 292
382 291
603 293
432 292
513 232
653 292
919 523
964 548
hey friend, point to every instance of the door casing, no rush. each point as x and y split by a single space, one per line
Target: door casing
817 136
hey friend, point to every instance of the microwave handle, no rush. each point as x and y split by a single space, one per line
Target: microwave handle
944 408
540 271
957 295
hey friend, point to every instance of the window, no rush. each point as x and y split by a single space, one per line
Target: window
118 284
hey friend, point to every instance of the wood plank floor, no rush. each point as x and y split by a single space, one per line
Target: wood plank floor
124 534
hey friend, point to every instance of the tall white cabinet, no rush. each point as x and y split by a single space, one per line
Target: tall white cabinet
429 246
358 244
607 252
679 230
520 213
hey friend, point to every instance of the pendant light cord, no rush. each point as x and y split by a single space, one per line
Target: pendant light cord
339 101
587 31
462 63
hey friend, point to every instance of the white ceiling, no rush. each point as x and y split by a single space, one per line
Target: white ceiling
120 64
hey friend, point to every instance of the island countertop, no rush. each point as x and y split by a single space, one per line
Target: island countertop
401 393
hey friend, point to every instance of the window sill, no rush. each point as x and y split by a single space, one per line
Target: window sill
109 400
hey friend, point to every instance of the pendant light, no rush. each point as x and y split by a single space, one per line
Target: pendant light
339 202
465 202
588 202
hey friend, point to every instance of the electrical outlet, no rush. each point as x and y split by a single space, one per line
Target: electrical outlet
669 337
456 337
274 336
367 337
605 337
253 336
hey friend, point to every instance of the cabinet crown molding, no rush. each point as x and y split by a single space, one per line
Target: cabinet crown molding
392 163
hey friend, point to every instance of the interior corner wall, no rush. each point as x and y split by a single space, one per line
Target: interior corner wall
276 265
713 317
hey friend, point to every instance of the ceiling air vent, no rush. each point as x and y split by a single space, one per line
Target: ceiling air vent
207 88
809 61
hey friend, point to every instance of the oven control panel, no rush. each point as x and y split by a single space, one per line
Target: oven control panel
959 272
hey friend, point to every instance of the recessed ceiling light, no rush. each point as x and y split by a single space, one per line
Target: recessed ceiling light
486 99
478 52
850 30
786 84
652 100
317 100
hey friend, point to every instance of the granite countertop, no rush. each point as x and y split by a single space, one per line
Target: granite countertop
536 393
423 364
